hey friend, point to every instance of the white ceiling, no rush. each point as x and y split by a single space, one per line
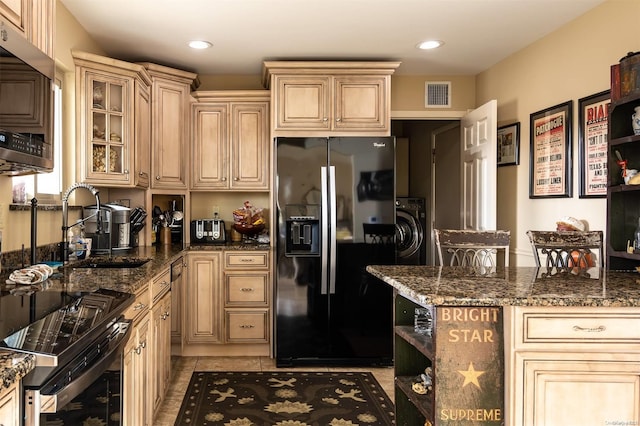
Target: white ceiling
244 33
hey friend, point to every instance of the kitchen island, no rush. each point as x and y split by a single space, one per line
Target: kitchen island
561 346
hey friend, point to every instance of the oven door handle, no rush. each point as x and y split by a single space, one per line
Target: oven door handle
40 401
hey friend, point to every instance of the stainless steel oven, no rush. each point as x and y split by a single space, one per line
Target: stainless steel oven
78 348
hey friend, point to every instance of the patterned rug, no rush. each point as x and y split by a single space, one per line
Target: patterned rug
285 399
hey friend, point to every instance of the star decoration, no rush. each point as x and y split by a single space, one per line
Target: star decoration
471 375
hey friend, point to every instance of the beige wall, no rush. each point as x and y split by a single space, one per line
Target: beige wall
568 64
407 96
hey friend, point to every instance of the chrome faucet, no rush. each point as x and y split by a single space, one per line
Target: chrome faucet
65 216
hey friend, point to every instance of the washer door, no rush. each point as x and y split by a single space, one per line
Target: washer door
409 234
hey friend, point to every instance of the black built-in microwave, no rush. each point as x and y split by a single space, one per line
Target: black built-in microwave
26 105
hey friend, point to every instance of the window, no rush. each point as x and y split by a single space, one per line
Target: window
46 187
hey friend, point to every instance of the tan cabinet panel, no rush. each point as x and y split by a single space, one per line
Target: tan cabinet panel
249 326
246 288
10 406
230 141
169 126
330 98
16 13
203 305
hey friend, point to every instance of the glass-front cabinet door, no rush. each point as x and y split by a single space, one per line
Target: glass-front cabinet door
109 144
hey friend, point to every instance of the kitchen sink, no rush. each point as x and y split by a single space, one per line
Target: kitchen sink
109 262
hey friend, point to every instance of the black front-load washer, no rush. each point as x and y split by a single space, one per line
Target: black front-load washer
411 241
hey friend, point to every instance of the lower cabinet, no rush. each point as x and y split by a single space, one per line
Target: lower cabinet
137 404
228 298
161 366
574 365
203 299
147 353
10 405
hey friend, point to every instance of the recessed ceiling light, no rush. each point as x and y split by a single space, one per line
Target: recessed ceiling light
199 44
429 44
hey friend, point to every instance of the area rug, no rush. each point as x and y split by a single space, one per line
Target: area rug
285 399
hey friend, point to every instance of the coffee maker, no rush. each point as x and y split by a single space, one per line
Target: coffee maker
114 232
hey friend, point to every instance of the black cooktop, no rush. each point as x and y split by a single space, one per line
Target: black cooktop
49 321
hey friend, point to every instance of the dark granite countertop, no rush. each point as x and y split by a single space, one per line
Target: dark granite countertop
14 366
515 286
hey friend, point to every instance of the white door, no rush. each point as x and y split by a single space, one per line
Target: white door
478 161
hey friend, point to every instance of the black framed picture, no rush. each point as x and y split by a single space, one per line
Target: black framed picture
593 116
550 159
509 144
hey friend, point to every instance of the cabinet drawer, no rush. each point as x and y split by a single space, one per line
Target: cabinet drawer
248 326
246 289
140 306
243 260
571 325
160 285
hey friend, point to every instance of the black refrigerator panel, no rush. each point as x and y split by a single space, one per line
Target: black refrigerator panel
335 207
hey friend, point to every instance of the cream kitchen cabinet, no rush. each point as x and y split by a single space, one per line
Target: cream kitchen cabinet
33 20
161 329
202 302
137 405
227 305
17 14
10 405
113 121
170 96
330 98
247 297
43 25
230 140
573 366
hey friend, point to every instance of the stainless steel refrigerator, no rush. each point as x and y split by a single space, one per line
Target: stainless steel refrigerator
335 210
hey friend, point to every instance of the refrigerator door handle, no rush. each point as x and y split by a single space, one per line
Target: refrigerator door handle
333 224
324 209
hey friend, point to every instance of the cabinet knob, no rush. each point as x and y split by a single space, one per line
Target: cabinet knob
325 119
157 177
224 179
236 179
126 172
338 119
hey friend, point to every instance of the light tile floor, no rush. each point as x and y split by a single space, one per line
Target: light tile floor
183 367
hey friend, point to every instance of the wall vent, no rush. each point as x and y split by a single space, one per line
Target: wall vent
437 94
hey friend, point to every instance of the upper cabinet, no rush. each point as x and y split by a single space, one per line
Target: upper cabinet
33 19
113 121
43 25
170 96
230 140
330 98
16 13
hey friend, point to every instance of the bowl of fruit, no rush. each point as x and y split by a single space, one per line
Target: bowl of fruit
248 220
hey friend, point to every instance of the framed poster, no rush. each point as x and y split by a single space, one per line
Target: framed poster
593 115
509 145
550 159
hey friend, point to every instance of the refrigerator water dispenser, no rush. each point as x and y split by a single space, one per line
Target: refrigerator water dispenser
303 236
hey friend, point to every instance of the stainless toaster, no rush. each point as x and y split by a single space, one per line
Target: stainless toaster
208 231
